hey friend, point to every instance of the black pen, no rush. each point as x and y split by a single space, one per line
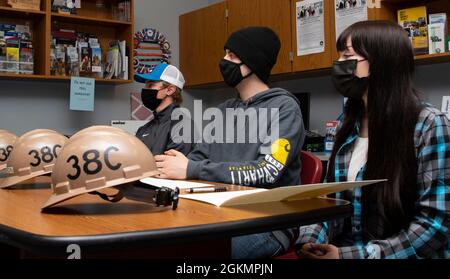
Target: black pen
206 190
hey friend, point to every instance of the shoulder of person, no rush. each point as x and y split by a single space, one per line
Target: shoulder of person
428 115
286 101
146 125
429 119
230 103
180 114
143 128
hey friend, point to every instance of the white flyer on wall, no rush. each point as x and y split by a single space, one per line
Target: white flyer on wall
310 27
348 12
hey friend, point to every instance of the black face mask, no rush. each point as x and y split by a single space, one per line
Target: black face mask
148 97
345 80
231 72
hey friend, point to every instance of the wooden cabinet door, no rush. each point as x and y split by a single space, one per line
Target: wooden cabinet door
202 37
274 14
315 61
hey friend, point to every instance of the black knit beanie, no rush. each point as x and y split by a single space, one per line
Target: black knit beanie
257 47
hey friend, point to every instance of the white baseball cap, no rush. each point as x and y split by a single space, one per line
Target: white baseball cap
163 72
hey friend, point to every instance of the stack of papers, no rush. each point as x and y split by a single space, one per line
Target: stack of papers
172 184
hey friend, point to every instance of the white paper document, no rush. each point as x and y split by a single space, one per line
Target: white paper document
289 193
349 12
218 199
310 27
446 106
172 184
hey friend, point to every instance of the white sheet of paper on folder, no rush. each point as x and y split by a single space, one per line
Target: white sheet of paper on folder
172 184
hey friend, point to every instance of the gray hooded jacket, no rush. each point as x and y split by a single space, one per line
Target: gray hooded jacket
266 163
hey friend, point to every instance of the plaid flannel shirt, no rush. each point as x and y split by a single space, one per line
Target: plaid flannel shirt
428 234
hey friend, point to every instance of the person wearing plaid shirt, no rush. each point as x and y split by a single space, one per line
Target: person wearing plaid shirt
408 216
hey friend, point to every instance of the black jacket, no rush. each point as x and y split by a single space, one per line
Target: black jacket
156 134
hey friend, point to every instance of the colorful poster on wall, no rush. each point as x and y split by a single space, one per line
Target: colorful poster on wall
310 27
348 12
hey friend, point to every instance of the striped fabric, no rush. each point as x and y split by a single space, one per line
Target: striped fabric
428 234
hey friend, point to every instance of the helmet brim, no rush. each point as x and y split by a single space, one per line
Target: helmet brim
59 198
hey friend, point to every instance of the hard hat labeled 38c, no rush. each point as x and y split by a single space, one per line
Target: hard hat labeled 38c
96 160
7 140
33 154
97 129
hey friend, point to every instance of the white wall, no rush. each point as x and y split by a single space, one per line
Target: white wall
27 105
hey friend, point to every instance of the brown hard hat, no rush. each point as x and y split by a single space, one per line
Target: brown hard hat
7 140
94 161
99 128
34 154
4 131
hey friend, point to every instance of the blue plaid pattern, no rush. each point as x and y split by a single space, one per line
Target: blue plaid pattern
428 234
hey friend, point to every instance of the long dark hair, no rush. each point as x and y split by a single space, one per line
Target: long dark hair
393 107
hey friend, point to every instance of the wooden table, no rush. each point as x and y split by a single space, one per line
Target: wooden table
134 229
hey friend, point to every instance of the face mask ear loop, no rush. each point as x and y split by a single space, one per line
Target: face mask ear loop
365 59
249 74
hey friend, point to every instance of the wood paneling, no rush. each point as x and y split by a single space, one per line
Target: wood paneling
275 14
202 37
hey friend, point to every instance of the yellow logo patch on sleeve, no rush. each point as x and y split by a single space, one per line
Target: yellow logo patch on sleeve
280 150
